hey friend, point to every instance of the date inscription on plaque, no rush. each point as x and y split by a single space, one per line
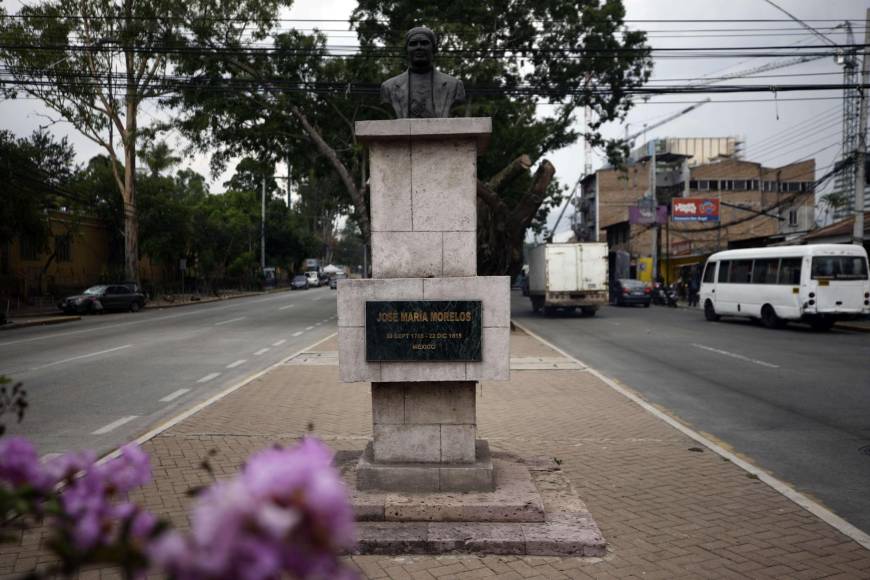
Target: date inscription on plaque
423 330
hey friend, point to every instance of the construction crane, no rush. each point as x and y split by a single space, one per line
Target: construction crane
848 59
629 139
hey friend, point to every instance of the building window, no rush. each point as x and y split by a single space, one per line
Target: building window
792 218
63 248
28 249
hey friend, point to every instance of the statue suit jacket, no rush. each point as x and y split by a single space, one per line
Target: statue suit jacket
447 91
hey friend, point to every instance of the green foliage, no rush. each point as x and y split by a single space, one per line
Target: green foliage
12 400
502 47
35 173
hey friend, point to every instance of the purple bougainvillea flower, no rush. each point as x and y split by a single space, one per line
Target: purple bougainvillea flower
19 463
86 530
69 464
129 470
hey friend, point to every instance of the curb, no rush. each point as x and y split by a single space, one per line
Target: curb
210 300
38 322
781 487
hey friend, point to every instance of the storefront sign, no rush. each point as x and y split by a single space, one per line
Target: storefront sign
423 330
695 209
648 215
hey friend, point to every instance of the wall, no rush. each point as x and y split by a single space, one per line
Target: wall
87 264
619 190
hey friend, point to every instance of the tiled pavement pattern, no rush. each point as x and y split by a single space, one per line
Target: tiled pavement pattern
667 508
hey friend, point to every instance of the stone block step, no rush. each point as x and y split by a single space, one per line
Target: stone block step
574 536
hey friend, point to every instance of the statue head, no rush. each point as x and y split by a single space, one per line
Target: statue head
420 44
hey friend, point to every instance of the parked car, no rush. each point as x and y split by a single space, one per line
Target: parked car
333 282
299 282
104 297
628 291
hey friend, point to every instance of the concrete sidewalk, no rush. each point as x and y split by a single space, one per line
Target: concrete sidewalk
668 507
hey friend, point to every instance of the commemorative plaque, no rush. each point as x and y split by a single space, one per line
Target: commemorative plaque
423 330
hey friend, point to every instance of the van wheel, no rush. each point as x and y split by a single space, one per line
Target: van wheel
588 310
537 304
710 312
769 317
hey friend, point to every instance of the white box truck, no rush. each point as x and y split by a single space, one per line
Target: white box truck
568 276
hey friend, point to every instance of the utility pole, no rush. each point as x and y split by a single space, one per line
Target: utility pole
858 229
655 207
263 227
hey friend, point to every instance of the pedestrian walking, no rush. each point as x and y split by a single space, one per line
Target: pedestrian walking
694 289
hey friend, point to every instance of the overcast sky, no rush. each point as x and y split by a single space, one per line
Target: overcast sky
771 131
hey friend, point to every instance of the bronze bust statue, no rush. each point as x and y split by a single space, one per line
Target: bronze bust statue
422 91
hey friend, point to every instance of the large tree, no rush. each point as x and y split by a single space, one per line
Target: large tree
515 57
93 63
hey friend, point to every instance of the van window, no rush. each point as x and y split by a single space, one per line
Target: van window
765 271
790 271
709 272
723 270
839 267
741 272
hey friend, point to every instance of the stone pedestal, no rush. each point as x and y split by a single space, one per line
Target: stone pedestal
424 247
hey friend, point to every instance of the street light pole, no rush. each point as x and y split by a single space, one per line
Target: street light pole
263 227
860 154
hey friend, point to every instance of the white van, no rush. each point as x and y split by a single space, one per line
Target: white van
818 284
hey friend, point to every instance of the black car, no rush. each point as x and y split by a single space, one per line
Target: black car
299 282
627 291
104 297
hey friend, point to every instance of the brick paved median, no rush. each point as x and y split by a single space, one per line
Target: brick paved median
668 508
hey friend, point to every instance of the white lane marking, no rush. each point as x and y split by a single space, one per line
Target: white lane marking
114 425
175 395
308 327
737 356
142 439
208 377
81 356
326 320
262 351
230 320
280 342
286 307
298 333
318 324
778 485
233 365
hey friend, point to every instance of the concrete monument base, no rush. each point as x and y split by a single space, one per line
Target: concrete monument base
533 510
426 477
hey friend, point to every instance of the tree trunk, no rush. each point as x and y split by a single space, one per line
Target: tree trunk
500 231
131 220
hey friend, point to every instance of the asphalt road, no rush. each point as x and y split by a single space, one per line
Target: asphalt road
793 401
100 382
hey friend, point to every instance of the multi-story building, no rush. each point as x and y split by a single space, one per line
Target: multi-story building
758 206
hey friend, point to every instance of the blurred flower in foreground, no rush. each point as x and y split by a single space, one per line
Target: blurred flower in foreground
287 511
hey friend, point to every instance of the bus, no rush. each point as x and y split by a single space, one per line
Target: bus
817 284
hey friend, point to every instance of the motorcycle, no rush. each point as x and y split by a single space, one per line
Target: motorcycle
664 295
